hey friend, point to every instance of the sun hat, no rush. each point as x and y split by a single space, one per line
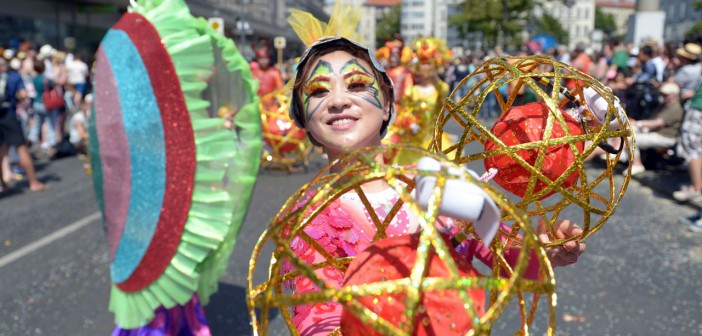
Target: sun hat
690 51
670 89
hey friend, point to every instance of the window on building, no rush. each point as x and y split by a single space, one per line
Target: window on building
681 12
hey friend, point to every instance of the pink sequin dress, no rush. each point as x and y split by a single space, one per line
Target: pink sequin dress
345 228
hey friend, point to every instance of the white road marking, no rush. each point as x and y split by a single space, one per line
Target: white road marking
56 235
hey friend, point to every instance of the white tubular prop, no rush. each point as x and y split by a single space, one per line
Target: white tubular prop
461 199
598 106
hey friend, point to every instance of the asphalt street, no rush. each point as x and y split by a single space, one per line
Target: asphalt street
639 276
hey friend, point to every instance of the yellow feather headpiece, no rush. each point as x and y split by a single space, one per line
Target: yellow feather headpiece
342 23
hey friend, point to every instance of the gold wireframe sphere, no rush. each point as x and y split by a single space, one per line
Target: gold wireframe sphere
286 145
545 191
503 283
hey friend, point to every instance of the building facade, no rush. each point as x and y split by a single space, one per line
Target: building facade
424 18
620 10
680 16
578 20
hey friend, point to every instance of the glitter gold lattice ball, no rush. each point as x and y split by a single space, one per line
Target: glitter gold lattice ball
286 146
298 224
539 148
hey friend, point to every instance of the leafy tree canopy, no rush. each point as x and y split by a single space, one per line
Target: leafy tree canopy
548 24
491 17
605 22
389 24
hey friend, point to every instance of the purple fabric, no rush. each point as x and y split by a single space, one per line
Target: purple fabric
185 320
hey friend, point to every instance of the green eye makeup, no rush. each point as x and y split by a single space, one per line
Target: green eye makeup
318 80
355 74
358 80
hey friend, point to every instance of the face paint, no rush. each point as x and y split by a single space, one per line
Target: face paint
361 82
317 86
349 114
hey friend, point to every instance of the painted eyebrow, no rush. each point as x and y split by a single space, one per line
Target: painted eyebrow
355 71
319 65
319 78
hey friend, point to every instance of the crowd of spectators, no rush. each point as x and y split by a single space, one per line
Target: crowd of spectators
45 96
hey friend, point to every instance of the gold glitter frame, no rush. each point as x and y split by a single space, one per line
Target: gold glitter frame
361 167
532 71
272 156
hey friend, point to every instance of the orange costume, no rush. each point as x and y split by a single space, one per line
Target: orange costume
269 77
402 79
395 56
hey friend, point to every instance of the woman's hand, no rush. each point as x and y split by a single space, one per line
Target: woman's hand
567 253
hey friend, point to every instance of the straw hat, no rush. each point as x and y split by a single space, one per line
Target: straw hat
670 89
46 51
8 54
690 51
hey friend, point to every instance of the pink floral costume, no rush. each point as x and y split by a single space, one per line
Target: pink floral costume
345 228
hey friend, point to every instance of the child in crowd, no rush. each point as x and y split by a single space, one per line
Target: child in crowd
78 126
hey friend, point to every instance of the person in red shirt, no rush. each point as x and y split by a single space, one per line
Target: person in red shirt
268 76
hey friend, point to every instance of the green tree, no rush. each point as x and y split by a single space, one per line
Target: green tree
605 22
549 25
389 24
498 20
694 31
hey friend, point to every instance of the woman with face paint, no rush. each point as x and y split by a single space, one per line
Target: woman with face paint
343 98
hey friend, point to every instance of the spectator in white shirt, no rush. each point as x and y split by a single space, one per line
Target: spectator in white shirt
77 79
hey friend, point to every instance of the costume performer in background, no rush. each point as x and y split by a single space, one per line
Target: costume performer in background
342 97
397 56
285 145
172 182
268 76
422 102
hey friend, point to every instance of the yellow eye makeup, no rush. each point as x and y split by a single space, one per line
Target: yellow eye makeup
358 78
358 82
355 74
319 79
317 83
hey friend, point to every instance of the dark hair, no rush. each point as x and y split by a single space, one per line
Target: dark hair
39 66
647 50
358 52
